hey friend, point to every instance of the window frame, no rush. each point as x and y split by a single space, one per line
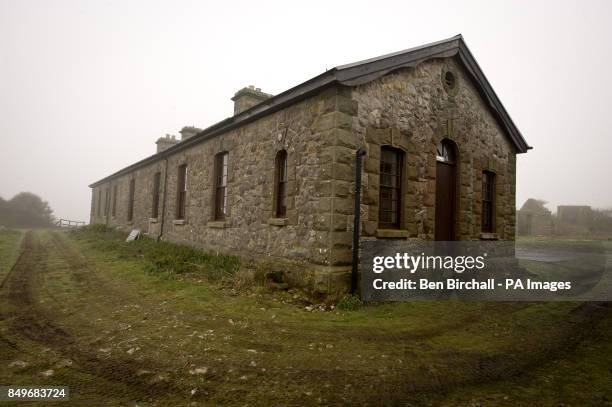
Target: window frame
114 205
106 201
181 192
221 175
280 184
99 202
156 192
131 196
487 224
398 188
445 152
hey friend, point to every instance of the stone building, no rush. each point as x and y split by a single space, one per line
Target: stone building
275 182
534 219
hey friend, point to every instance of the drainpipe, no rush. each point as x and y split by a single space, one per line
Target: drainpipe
357 219
163 210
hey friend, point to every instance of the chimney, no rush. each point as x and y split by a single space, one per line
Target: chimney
248 97
188 132
164 143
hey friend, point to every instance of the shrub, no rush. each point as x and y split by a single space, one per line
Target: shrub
349 302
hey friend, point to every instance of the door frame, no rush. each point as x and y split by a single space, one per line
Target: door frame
453 150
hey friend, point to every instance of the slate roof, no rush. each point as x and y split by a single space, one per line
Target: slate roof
354 74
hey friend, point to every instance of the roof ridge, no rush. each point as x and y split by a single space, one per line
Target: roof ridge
355 74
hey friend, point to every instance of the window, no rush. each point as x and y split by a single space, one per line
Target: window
449 82
99 201
130 214
390 188
155 208
445 152
181 193
449 79
280 185
114 207
106 200
488 201
220 202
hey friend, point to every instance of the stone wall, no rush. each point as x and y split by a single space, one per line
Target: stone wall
306 131
411 110
530 223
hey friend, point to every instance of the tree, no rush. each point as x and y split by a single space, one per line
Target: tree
602 221
26 210
535 206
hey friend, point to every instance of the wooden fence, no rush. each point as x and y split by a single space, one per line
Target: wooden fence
65 223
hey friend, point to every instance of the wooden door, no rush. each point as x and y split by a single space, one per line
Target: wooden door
445 201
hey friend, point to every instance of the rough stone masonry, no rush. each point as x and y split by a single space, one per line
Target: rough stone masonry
411 101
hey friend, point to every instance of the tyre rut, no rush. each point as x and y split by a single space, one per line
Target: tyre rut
29 321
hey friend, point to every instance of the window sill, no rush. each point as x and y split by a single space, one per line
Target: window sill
277 221
391 233
179 221
489 236
217 224
152 220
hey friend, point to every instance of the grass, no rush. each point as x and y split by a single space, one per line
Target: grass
262 347
161 258
10 240
349 302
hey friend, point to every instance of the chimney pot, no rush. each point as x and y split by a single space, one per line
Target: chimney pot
188 132
165 142
248 97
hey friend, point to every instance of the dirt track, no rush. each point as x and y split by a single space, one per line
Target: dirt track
109 340
36 324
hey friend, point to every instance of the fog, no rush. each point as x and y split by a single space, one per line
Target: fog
86 87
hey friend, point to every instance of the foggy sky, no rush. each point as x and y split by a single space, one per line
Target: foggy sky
86 87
